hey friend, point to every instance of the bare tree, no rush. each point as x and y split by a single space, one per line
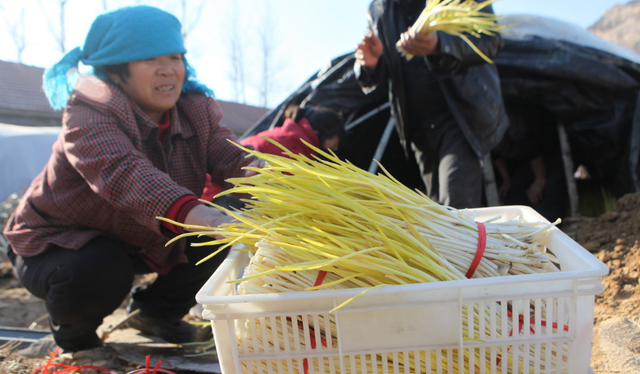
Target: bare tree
59 32
236 51
16 29
266 32
188 25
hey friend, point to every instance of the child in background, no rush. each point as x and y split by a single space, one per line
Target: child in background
319 126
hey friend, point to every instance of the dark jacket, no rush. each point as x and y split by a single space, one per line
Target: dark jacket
471 86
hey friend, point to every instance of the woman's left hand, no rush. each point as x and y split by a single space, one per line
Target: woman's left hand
257 163
202 215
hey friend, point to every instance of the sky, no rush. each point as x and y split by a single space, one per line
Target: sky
306 34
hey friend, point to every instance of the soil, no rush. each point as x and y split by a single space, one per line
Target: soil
613 237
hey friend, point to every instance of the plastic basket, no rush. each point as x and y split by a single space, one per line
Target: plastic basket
407 329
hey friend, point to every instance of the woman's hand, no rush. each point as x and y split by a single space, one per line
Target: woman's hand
257 163
202 215
419 44
369 50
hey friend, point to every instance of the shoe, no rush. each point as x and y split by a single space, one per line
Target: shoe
172 330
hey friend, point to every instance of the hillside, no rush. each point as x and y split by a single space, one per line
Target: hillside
619 24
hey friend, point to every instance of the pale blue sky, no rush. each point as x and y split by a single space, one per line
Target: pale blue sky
309 33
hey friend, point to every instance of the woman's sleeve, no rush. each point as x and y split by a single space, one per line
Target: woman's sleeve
114 169
226 159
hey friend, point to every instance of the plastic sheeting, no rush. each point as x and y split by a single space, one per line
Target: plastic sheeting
584 82
551 28
24 150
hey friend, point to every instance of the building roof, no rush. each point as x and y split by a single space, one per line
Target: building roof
240 117
21 90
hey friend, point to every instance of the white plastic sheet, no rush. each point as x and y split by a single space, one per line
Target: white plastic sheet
24 150
551 28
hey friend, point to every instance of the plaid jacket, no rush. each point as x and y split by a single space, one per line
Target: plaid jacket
109 174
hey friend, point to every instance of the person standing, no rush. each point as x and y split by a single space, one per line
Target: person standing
446 101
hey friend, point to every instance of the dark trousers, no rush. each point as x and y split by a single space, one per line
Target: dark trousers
82 287
451 171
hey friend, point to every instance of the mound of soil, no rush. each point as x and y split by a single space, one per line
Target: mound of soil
614 238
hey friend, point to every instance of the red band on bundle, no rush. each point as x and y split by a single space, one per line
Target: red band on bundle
482 244
320 278
305 363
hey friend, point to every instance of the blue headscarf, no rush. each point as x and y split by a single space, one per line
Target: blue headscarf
124 35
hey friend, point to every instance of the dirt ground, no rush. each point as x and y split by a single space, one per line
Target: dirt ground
614 238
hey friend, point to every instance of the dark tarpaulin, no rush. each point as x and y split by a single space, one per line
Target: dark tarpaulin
592 92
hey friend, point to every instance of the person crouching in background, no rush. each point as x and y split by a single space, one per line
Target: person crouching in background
321 127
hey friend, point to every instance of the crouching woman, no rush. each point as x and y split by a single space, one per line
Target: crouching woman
138 138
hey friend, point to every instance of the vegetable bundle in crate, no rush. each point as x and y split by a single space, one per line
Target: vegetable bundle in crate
326 226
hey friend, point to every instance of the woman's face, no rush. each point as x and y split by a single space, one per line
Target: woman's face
154 84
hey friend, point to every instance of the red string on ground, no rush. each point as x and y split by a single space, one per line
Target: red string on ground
140 371
155 369
65 368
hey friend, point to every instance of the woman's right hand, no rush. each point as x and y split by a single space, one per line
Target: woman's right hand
369 50
202 215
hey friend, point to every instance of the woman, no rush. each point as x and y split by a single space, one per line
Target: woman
138 138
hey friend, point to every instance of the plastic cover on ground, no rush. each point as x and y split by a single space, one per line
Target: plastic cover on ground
24 150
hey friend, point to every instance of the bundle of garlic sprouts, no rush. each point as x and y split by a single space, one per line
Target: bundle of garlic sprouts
329 214
281 332
459 18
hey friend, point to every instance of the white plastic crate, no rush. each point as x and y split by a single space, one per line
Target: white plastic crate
404 329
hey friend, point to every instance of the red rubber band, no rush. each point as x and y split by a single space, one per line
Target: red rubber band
482 244
320 278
